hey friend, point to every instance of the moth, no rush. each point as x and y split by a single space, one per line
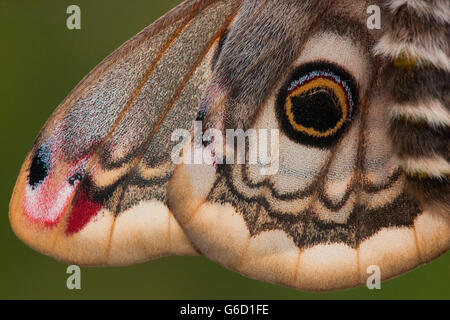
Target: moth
363 117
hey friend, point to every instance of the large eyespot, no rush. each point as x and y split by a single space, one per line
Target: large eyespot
39 167
317 103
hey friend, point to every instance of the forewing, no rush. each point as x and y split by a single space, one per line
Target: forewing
92 190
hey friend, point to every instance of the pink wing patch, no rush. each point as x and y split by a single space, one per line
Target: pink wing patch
49 192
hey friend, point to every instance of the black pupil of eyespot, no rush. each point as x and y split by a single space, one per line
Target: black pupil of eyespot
318 110
38 169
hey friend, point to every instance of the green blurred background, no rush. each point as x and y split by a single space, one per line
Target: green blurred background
40 62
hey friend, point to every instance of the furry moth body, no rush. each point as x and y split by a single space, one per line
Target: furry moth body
363 117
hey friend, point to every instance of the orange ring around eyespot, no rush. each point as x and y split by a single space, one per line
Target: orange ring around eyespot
321 82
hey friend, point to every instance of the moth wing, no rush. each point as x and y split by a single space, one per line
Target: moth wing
92 190
333 211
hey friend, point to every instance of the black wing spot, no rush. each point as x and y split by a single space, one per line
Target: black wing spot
39 168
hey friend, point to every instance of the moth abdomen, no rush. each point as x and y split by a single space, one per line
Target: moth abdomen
417 80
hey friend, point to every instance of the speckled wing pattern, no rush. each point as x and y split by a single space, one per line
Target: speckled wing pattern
92 190
338 202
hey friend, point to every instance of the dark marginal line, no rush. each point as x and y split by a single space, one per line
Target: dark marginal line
226 172
373 188
300 194
330 205
103 194
376 219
